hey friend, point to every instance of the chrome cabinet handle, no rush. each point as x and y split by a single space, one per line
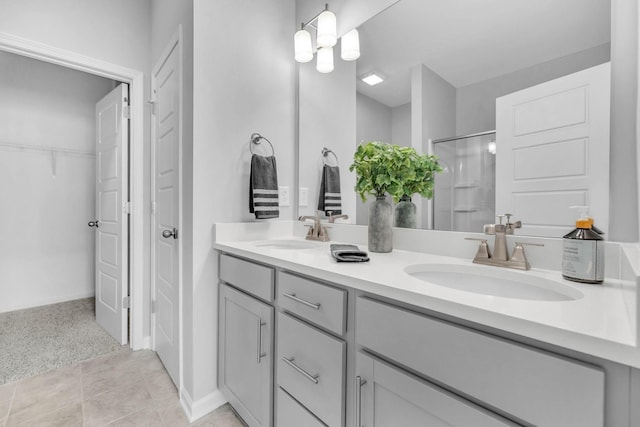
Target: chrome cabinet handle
359 384
260 353
315 306
290 362
93 223
170 233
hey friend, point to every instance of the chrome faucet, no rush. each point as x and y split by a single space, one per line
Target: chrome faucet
316 231
500 257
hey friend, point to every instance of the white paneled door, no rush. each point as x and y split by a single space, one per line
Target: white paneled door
553 152
166 234
111 224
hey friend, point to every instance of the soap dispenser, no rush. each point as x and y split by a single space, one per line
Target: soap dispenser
583 251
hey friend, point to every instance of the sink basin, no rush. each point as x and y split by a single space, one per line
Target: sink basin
287 244
488 281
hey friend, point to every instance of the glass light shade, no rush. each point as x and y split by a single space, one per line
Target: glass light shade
327 33
302 46
325 60
350 46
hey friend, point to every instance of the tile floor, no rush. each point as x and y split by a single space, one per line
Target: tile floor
119 389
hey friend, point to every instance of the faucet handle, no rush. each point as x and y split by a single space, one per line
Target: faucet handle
483 249
519 257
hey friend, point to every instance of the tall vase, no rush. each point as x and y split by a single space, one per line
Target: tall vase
405 215
380 235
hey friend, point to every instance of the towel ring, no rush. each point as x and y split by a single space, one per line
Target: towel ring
325 154
255 139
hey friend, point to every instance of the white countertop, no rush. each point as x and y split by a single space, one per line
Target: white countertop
601 323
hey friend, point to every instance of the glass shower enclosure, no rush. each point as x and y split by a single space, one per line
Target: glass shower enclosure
465 192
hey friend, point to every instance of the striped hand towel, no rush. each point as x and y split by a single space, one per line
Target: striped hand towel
263 191
330 200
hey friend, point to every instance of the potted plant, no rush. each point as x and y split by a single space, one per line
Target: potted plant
382 169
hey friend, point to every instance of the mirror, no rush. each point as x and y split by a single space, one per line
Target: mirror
468 52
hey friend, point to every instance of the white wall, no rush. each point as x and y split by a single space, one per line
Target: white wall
327 116
244 77
476 103
401 124
47 251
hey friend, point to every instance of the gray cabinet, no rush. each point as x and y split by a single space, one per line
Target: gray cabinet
524 383
246 355
387 396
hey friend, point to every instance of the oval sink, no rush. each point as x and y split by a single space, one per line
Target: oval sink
488 281
289 244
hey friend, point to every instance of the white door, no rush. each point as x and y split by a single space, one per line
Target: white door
552 152
112 141
166 234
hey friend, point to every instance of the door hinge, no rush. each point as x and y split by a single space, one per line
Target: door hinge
126 112
153 306
126 302
126 207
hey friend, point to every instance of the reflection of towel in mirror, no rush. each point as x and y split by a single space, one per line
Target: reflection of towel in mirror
263 187
329 199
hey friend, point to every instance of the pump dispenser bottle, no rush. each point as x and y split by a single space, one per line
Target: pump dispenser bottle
583 251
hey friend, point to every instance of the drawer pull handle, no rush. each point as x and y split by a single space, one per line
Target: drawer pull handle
301 301
290 362
359 384
260 353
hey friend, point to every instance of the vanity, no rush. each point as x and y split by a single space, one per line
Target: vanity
306 341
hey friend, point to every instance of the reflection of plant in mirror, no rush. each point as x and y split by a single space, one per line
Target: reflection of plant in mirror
399 171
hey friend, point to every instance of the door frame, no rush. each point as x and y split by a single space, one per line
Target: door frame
174 43
135 79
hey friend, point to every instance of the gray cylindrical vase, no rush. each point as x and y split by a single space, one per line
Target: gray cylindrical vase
380 218
405 214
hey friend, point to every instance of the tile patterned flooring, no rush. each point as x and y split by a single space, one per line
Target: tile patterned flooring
119 389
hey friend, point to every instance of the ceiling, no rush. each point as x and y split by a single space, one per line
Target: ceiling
468 41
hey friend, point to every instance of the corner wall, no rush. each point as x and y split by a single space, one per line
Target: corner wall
245 78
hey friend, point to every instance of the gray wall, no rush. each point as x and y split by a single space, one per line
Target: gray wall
476 103
623 215
401 125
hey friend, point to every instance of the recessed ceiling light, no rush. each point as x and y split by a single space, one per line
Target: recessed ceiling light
372 79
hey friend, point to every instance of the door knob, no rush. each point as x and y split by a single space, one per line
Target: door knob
170 233
93 224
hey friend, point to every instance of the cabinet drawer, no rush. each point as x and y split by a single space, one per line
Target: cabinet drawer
321 304
291 414
532 385
311 367
253 278
392 397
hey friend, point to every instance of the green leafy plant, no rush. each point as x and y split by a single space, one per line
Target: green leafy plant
383 168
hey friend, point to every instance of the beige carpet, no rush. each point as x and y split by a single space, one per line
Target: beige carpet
40 339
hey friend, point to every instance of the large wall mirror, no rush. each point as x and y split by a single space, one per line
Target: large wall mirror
453 59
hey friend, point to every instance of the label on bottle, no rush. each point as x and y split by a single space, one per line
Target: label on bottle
583 260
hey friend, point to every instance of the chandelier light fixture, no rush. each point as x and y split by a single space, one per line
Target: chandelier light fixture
326 38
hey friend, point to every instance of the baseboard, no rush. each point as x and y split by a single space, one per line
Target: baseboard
201 407
46 301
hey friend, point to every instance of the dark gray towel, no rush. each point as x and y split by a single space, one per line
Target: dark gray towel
348 253
329 199
263 187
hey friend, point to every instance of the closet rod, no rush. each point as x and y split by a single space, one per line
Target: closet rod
45 148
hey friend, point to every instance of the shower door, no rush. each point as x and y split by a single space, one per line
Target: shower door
464 193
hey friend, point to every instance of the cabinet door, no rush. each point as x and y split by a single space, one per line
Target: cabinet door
246 357
389 397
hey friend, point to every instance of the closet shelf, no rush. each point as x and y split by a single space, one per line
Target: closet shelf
47 149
